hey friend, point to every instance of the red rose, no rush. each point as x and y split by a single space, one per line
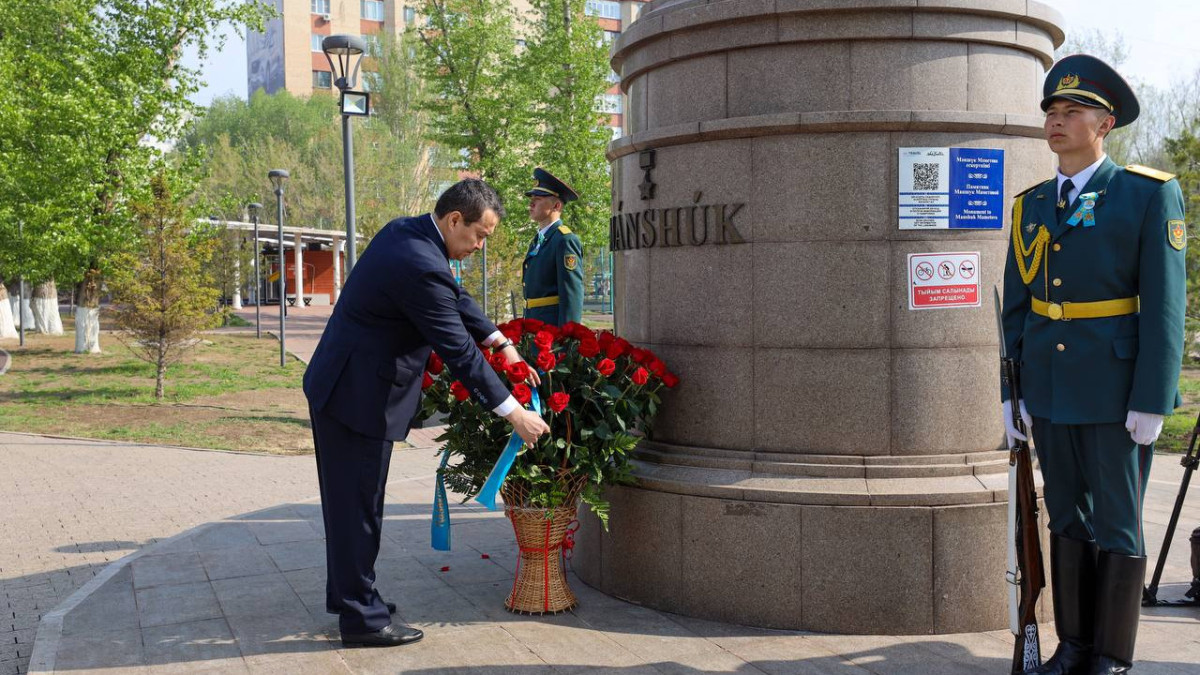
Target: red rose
544 339
459 391
559 401
658 367
512 331
435 363
426 381
639 355
522 394
613 351
641 376
606 367
498 362
546 360
517 372
605 338
670 379
589 348
532 325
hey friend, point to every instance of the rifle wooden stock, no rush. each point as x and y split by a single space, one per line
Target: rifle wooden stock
1031 578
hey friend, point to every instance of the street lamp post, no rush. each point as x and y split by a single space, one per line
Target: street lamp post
344 52
21 282
254 209
278 178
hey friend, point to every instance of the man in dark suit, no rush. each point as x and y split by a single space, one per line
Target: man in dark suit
1094 294
364 386
552 275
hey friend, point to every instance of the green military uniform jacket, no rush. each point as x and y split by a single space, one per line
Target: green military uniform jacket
1094 370
555 270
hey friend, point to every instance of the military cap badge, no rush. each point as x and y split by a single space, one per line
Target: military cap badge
1068 81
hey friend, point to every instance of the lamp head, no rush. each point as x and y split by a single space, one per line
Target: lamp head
254 208
278 178
348 50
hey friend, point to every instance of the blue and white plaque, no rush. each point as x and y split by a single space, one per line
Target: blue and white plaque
951 189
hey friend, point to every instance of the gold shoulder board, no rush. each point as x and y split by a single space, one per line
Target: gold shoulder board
564 229
1161 176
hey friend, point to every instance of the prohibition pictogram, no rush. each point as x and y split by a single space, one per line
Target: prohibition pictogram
924 271
946 270
967 269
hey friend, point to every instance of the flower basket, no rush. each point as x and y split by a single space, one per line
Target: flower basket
540 584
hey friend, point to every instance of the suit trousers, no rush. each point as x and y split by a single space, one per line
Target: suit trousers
1095 483
352 470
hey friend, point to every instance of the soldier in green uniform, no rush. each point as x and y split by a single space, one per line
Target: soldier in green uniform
1094 295
552 274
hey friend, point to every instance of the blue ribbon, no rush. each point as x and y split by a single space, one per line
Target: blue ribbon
487 494
439 529
1085 212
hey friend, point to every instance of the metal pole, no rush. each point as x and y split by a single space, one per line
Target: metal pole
282 282
348 164
257 284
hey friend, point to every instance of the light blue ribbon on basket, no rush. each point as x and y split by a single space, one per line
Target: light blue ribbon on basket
439 533
487 494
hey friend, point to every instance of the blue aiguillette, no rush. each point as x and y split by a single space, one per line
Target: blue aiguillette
439 533
1085 212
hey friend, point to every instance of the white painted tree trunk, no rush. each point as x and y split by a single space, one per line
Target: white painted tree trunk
237 282
87 330
45 309
23 312
8 329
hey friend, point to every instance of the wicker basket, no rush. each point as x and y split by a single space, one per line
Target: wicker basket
540 586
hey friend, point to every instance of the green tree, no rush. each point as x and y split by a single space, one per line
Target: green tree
163 294
1184 152
86 85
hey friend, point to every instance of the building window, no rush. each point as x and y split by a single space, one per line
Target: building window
410 15
316 42
322 79
372 10
613 77
604 9
374 45
320 6
616 132
609 103
610 36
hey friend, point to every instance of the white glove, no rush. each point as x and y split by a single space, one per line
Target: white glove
1144 428
1010 430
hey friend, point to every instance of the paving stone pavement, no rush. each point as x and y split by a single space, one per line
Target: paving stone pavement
227 576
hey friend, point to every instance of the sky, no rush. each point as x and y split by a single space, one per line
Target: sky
1158 34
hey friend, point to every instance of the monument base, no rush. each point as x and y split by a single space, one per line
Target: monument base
874 553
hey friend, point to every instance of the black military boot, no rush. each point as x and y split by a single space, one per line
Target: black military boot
1119 580
1073 582
1193 593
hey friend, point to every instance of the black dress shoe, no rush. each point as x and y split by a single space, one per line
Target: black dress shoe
1109 666
391 635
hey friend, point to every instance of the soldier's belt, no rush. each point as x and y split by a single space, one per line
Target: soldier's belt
541 302
1086 310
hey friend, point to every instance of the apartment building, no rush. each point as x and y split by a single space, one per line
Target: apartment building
288 54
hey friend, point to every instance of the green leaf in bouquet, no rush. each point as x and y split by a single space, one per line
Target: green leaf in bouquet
612 392
603 432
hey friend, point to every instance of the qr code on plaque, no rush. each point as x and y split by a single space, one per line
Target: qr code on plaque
925 176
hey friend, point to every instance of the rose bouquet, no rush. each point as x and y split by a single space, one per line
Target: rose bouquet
599 394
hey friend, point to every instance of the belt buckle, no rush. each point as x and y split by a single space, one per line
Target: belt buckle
1054 311
1063 311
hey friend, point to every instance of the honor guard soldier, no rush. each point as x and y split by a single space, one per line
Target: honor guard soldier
552 275
1094 295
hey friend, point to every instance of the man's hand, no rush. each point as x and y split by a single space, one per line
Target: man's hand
1010 429
528 424
1144 428
512 356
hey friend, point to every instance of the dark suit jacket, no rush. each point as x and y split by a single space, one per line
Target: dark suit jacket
400 301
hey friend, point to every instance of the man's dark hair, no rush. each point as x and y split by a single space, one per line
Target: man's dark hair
471 197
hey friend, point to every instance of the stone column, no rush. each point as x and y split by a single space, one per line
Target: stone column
299 274
338 244
831 460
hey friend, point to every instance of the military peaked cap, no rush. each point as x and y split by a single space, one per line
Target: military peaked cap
549 186
1091 82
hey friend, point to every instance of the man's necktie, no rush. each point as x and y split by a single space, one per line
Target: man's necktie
537 244
1063 197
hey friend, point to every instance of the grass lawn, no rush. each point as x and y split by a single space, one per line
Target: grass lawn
228 393
1177 429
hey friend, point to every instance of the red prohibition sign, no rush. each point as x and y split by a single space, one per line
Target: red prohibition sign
945 269
924 271
967 269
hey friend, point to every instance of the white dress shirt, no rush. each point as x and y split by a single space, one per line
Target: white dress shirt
1079 180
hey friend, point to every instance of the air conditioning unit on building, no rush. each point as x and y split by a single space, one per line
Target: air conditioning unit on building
325 17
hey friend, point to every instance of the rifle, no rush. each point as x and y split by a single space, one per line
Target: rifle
1190 462
1025 575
